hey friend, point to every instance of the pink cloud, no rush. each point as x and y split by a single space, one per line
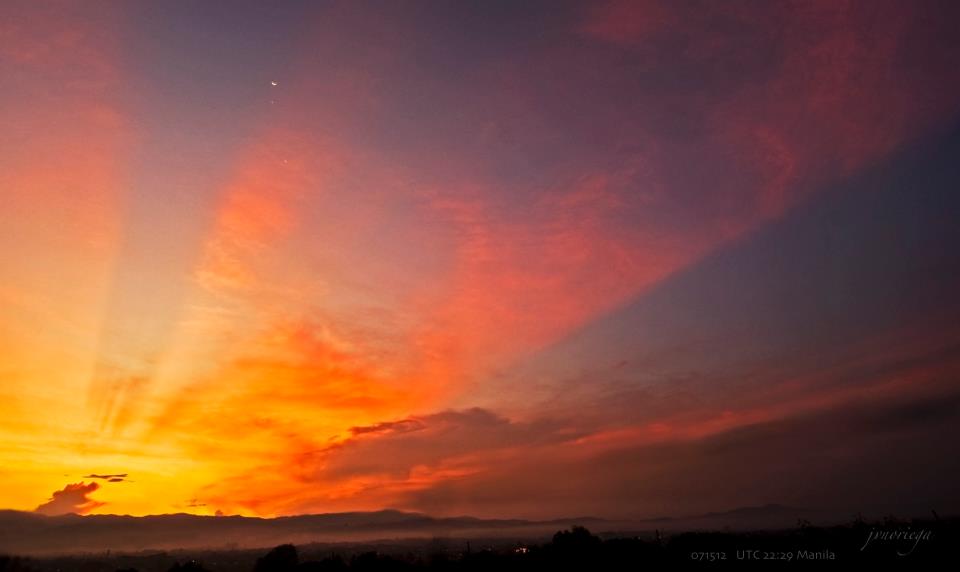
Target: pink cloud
625 22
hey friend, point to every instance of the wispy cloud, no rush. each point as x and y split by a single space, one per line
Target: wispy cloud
117 478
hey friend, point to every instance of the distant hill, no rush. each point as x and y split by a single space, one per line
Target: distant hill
769 516
30 533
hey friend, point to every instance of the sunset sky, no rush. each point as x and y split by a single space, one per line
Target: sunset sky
513 259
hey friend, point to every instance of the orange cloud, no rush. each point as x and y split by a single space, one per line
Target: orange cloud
258 207
393 237
73 498
379 462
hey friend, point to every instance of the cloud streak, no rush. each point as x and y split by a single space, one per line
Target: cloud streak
117 478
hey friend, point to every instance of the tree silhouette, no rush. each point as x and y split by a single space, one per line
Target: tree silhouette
576 540
283 558
189 566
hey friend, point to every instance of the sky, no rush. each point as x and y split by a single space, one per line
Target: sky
506 259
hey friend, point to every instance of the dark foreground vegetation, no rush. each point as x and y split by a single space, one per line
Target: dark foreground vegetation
907 543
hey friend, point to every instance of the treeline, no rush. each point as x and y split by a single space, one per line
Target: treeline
910 543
